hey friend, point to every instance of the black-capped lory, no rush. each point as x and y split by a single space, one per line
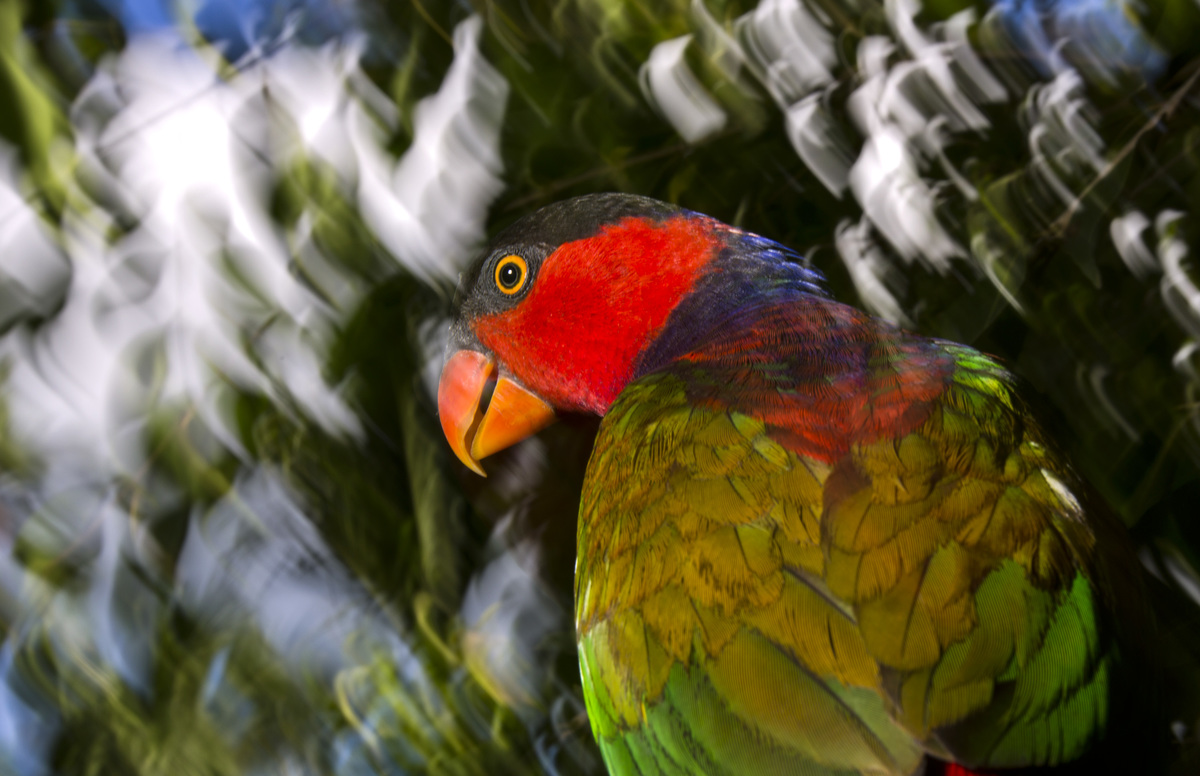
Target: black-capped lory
809 541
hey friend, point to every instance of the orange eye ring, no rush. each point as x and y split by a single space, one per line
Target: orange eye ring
511 274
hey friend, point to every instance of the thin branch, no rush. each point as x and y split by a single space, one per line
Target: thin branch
1168 108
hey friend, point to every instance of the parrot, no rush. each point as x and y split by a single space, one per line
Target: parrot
809 541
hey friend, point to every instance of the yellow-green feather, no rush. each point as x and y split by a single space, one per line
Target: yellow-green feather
745 609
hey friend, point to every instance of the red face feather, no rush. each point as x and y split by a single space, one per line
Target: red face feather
594 306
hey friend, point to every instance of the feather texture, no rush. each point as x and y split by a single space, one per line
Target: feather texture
817 544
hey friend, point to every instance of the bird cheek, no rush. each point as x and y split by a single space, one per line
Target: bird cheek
513 413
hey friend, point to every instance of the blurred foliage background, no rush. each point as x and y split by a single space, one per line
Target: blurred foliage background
232 539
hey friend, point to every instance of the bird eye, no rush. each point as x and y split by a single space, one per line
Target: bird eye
511 272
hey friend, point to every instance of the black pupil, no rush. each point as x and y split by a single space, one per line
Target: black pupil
510 275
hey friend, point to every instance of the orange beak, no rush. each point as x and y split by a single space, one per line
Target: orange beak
513 413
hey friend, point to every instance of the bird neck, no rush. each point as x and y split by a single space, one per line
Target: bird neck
750 273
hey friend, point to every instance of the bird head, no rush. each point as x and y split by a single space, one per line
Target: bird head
568 305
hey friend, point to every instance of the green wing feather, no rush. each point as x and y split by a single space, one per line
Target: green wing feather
745 609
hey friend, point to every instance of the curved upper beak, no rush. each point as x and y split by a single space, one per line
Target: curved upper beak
512 414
